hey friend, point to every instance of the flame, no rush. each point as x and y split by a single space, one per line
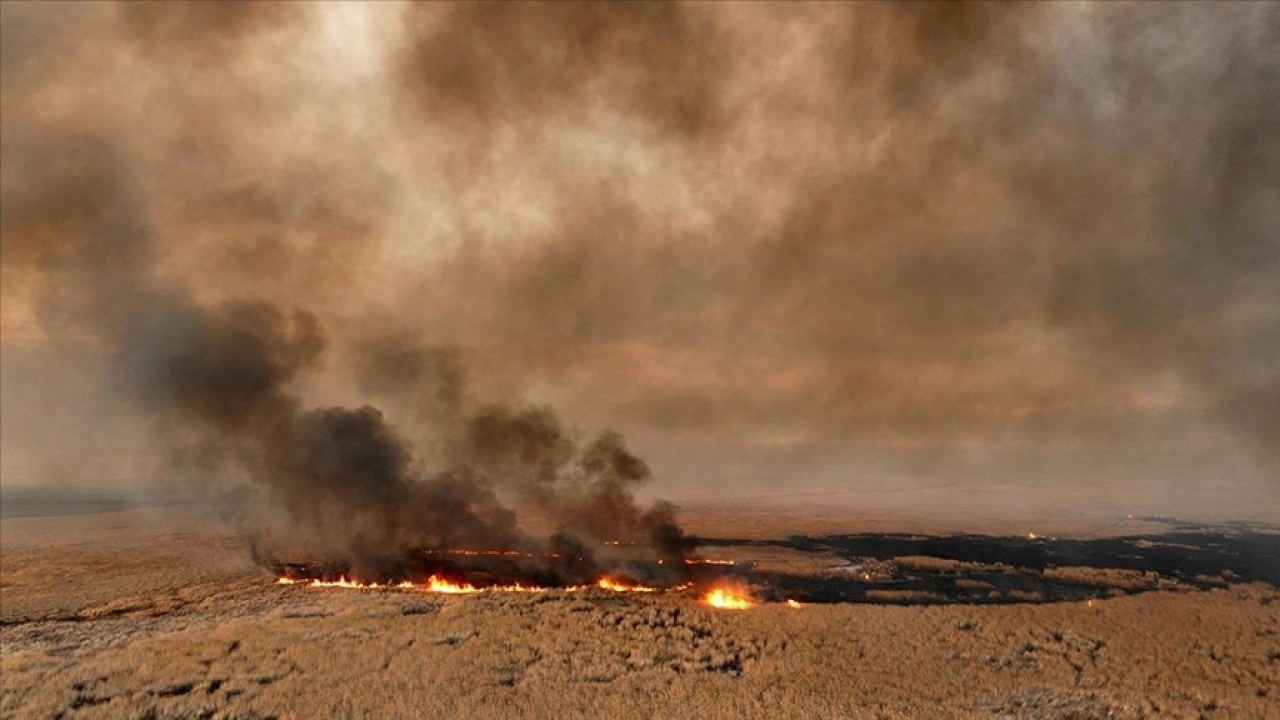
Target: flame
726 600
435 584
343 582
795 604
607 583
439 584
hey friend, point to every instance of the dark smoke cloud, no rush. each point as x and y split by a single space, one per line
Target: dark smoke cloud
1023 240
216 377
433 378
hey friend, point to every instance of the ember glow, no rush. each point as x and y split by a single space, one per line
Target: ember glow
493 553
726 600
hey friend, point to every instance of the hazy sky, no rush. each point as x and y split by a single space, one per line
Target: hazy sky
780 247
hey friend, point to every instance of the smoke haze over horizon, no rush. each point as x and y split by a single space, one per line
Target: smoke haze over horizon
1029 249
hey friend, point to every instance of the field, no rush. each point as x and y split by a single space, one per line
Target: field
158 613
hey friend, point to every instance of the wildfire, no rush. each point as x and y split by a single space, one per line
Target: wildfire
439 584
607 583
435 584
452 586
726 600
343 582
722 598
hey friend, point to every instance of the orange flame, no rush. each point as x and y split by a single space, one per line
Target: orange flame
726 600
343 582
442 584
796 604
439 584
435 584
607 583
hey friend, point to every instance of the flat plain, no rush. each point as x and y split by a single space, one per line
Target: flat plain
159 613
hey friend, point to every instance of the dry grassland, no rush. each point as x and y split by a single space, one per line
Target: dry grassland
118 615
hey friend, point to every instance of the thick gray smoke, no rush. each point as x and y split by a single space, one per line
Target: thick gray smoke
1029 241
215 376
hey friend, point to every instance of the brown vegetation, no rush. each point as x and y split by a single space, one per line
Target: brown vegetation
109 617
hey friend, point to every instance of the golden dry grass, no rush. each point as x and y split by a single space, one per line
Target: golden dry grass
128 619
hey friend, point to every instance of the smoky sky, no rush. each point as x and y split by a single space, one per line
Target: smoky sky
1039 240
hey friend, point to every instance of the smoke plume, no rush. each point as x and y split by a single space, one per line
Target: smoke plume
340 262
215 375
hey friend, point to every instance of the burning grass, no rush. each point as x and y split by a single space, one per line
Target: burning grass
715 588
726 599
721 597
439 584
434 583
458 571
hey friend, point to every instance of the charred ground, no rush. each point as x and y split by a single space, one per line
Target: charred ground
911 568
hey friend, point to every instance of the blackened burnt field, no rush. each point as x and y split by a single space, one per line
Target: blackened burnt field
910 568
